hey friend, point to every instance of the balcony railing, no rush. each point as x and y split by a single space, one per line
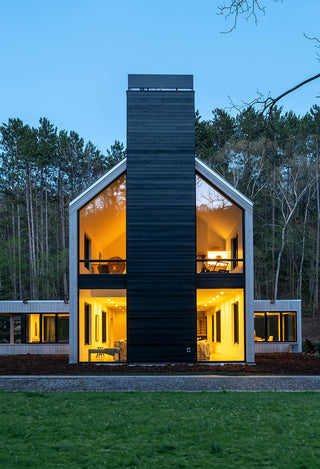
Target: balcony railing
222 265
119 266
103 266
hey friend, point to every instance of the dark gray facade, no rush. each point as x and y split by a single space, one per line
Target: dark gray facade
161 223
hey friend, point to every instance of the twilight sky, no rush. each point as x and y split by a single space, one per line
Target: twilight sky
68 60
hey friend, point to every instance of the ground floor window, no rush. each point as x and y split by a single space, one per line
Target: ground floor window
47 328
220 325
275 326
102 325
10 329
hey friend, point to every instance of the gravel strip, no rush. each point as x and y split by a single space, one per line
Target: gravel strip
149 383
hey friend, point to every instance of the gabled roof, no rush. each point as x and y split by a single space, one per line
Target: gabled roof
98 186
222 185
212 176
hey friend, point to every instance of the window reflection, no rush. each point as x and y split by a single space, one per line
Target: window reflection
219 231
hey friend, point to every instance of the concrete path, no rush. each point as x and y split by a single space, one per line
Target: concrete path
211 383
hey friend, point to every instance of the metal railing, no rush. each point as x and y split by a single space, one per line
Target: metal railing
230 265
104 266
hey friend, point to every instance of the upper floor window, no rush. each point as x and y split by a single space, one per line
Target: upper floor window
219 231
102 231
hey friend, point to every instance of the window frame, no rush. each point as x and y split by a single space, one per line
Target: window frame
236 328
41 328
281 329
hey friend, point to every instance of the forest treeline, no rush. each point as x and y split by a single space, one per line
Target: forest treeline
273 160
41 171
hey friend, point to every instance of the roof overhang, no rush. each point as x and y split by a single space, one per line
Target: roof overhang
223 186
212 176
98 186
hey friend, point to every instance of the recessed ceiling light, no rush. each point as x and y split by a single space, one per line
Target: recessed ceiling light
222 292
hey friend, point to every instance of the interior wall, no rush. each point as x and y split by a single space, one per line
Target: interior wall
227 350
116 325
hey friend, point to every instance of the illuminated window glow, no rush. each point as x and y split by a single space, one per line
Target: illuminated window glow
102 325
220 325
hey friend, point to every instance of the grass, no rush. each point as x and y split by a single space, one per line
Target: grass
159 430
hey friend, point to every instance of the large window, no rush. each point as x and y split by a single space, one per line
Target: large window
219 231
276 326
47 328
102 325
102 231
10 329
220 324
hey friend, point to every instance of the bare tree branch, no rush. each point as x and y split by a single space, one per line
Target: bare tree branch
236 8
317 45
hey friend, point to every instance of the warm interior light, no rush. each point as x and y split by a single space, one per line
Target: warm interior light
219 255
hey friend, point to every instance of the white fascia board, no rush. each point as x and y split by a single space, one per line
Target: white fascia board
221 184
98 186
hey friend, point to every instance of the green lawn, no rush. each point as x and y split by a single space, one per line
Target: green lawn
160 430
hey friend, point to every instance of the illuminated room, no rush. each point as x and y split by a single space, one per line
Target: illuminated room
220 325
102 325
219 231
102 231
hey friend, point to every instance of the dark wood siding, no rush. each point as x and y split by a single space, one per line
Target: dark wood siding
161 293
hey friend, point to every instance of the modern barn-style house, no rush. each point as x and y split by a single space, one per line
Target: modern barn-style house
161 254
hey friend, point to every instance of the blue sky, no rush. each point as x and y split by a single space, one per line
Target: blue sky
69 60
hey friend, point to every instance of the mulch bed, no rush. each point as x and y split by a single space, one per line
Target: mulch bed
272 363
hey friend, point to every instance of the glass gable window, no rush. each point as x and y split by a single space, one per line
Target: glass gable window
278 326
102 231
102 325
219 231
220 324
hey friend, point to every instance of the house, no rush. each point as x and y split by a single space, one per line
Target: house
161 247
161 252
34 327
